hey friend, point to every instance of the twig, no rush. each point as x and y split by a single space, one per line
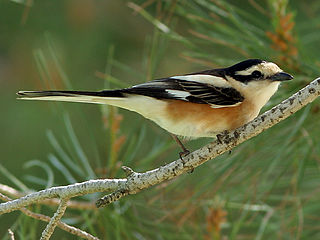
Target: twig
47 232
11 234
70 229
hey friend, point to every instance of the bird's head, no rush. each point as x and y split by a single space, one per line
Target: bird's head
254 70
256 79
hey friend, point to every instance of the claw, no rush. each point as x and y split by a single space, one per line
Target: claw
186 152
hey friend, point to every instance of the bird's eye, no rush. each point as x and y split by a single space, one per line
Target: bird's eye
256 74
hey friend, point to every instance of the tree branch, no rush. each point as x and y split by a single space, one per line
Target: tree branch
13 193
135 182
73 190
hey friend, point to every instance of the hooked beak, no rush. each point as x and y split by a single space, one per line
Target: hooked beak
281 76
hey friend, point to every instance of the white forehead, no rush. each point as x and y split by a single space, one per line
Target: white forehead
266 68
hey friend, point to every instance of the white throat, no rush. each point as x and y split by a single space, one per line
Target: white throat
257 92
261 92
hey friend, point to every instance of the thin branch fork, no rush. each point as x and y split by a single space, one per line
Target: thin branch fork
135 182
70 229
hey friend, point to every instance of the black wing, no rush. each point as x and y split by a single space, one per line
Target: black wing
190 91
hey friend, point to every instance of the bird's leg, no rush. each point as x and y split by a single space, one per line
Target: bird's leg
185 151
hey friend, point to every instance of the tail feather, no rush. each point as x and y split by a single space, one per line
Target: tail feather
35 94
124 98
101 97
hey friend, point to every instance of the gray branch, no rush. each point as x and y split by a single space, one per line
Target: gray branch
73 190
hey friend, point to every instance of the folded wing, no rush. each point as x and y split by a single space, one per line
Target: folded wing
202 89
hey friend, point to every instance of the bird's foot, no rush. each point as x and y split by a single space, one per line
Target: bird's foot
186 152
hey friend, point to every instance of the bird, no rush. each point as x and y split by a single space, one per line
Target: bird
198 104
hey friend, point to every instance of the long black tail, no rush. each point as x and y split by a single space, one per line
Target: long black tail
38 94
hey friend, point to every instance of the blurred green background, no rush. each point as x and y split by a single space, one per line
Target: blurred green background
267 188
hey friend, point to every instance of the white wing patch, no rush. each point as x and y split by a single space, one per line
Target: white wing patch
178 93
206 79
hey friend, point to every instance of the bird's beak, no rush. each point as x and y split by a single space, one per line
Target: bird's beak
281 76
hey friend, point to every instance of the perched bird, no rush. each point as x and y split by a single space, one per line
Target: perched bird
199 104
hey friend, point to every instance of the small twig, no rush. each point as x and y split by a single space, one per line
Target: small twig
47 232
112 197
128 171
11 234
